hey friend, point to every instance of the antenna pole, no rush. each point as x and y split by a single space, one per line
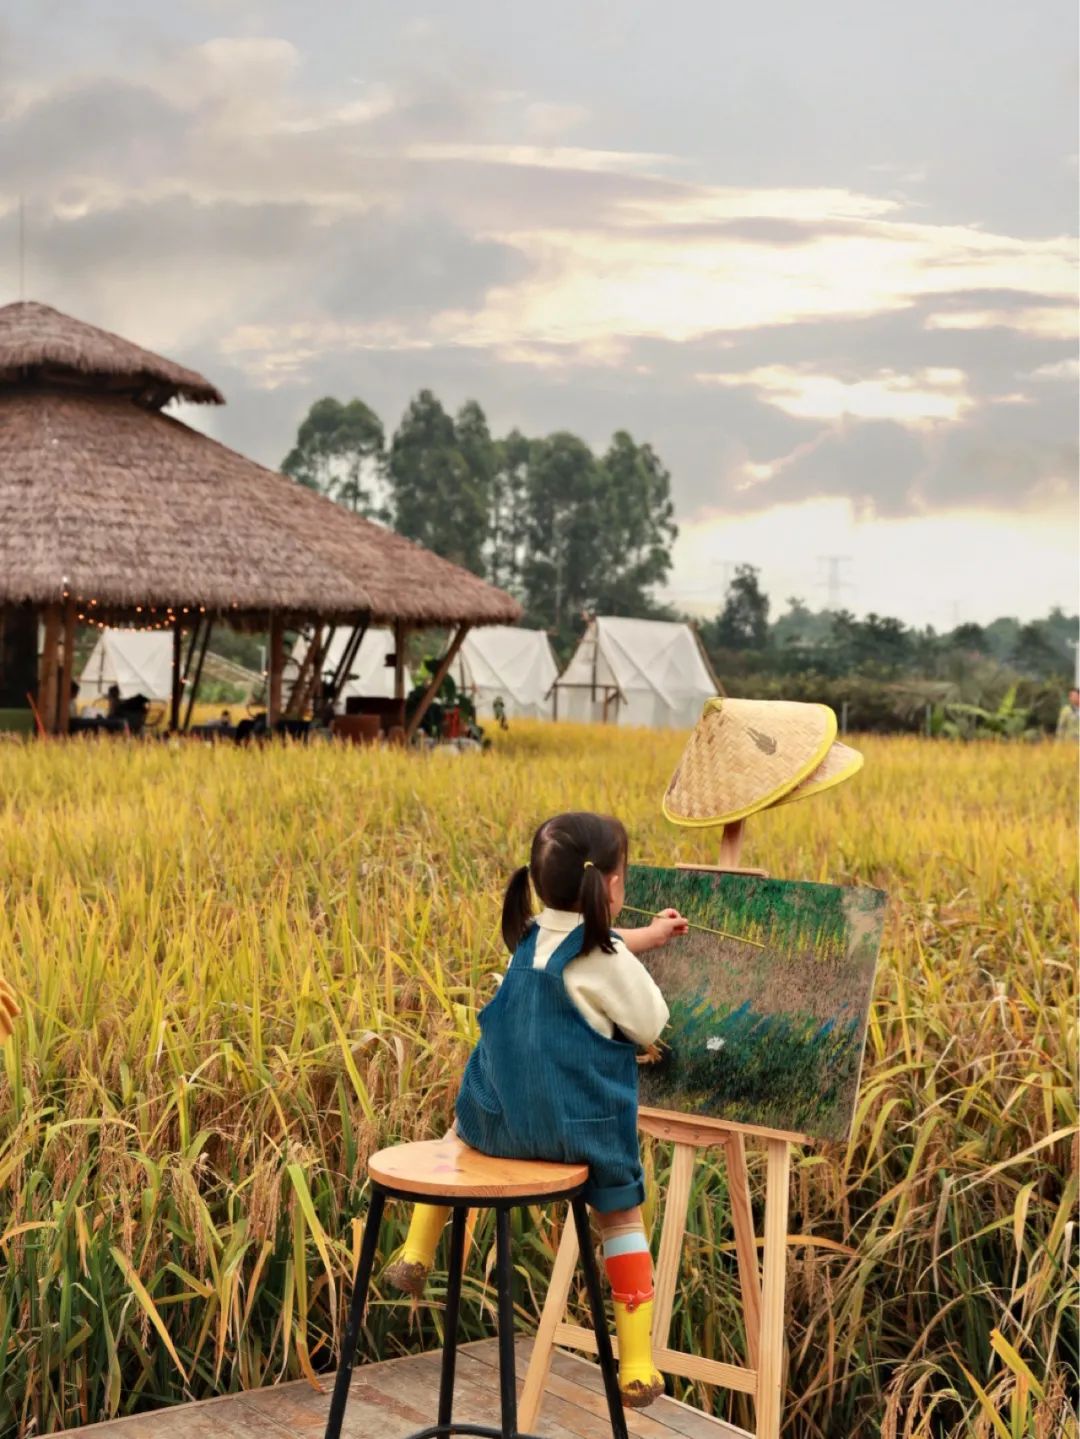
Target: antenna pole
834 581
22 249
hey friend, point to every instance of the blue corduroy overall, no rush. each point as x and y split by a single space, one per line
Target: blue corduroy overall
543 1084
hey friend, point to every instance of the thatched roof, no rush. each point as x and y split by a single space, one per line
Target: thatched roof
133 507
39 343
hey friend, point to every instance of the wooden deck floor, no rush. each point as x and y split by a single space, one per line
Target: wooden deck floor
394 1398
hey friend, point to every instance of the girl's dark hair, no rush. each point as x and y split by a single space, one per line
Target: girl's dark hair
571 857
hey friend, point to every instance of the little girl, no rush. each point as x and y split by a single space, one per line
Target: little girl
554 1075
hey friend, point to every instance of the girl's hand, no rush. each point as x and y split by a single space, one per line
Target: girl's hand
667 924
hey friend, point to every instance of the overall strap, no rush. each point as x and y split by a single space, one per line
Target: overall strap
523 956
569 949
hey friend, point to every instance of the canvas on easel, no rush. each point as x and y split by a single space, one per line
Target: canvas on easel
769 997
769 994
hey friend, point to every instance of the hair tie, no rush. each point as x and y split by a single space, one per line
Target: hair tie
588 864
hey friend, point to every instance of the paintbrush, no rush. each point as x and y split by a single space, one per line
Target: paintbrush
722 933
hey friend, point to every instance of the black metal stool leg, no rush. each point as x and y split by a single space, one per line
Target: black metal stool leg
450 1318
356 1313
504 1278
600 1329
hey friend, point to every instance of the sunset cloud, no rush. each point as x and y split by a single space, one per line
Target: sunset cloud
802 287
925 397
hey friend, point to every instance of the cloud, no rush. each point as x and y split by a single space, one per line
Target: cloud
1059 370
1053 322
924 397
294 231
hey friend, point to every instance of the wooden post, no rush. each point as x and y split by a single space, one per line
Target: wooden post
193 646
731 845
562 1276
177 677
313 684
671 1241
433 688
277 664
400 635
47 671
208 625
67 673
295 704
742 1221
770 1388
348 658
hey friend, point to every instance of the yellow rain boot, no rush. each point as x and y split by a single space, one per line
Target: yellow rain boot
629 1270
640 1382
409 1271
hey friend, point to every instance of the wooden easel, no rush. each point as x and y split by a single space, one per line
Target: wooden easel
762 1293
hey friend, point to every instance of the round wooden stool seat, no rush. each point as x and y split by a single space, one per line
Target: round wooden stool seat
448 1170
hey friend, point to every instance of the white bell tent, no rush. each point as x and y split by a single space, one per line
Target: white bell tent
138 661
636 672
370 675
507 663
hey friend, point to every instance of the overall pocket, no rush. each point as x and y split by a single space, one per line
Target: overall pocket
588 1141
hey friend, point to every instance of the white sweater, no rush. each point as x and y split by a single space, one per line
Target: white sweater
610 990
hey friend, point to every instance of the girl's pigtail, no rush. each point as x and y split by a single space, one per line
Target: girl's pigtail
595 912
517 908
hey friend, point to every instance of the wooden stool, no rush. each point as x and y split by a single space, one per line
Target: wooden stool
448 1172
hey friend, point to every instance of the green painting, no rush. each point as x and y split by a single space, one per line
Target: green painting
769 994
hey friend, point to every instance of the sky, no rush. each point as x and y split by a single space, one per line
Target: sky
822 256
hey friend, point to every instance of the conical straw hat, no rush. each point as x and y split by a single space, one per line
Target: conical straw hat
744 755
838 765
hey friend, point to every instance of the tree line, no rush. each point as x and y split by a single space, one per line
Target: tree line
569 531
836 642
563 529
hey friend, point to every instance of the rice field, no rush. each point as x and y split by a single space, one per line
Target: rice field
241 972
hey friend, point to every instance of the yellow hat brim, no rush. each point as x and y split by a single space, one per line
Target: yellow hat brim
727 772
841 763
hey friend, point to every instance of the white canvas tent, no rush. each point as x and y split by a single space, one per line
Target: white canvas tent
139 661
372 677
511 664
636 672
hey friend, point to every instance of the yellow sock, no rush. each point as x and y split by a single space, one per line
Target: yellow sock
426 1225
638 1376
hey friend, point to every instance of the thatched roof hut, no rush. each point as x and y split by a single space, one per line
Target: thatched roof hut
116 512
40 345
